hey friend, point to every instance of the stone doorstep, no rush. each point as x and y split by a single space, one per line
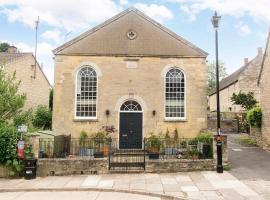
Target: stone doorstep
152 194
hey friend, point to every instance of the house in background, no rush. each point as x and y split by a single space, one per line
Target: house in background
244 79
133 74
33 81
264 84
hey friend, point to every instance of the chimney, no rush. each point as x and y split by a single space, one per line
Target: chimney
12 49
245 61
260 51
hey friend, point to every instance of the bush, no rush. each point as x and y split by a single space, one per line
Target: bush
25 118
153 142
83 137
254 117
43 118
205 137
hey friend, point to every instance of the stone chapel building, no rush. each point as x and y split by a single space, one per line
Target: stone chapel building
131 73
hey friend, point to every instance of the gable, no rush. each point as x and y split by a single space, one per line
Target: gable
110 38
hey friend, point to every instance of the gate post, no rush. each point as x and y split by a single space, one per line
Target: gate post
144 153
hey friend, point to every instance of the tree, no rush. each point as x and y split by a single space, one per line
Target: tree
51 100
245 100
11 100
212 75
43 117
4 47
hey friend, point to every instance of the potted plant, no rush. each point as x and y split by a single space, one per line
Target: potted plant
168 148
205 144
101 145
153 146
82 143
176 141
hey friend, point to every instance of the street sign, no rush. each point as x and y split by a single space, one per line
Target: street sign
22 128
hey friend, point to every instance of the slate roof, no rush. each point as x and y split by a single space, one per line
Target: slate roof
110 39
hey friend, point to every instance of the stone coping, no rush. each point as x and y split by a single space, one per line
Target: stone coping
163 196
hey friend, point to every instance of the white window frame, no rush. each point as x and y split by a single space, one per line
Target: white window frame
185 96
76 89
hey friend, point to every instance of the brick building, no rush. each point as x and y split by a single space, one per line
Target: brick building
132 73
244 79
34 85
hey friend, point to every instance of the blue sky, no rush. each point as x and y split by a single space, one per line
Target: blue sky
244 24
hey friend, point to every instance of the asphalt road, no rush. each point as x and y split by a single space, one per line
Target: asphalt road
248 163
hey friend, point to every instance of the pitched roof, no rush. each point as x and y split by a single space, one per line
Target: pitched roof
110 38
233 78
10 57
267 49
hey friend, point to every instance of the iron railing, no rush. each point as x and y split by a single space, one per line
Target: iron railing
167 148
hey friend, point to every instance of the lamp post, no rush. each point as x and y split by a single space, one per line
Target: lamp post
215 21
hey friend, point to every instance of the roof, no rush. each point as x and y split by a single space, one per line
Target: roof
264 56
110 39
233 78
7 58
10 57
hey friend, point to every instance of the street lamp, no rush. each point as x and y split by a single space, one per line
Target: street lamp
215 21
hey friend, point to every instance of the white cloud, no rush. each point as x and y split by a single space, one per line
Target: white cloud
52 35
157 12
243 28
70 15
123 2
258 9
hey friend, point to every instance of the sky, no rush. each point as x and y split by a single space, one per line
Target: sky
243 28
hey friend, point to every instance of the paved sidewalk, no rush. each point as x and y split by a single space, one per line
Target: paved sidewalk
206 185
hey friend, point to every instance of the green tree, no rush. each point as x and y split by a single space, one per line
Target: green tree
245 100
254 117
11 100
4 47
211 82
43 117
51 100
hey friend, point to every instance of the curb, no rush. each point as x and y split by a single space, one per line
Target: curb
162 196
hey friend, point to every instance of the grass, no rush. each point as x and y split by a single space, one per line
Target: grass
247 141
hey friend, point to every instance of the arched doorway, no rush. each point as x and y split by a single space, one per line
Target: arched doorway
130 125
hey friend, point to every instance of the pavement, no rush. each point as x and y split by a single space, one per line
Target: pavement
206 185
250 165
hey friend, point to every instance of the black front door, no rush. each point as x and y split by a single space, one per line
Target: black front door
130 131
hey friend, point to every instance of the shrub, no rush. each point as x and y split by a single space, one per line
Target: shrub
43 118
25 118
83 137
153 142
175 136
246 141
205 137
254 117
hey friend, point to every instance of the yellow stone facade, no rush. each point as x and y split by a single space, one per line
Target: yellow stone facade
118 83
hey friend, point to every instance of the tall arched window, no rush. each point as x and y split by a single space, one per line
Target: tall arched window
175 94
86 93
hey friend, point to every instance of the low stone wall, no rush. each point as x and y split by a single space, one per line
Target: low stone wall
61 167
227 125
180 165
3 171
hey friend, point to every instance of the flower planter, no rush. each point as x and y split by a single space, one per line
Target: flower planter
153 156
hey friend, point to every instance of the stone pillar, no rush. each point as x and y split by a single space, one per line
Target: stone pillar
34 141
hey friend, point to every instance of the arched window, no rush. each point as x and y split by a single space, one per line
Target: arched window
175 94
86 93
131 106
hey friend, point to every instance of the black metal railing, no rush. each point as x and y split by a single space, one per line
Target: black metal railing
165 148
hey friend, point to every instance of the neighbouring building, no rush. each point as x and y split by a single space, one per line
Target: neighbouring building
264 84
244 79
33 80
131 73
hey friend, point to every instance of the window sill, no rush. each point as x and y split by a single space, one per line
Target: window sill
85 120
175 120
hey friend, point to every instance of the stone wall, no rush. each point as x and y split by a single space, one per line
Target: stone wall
118 83
227 125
